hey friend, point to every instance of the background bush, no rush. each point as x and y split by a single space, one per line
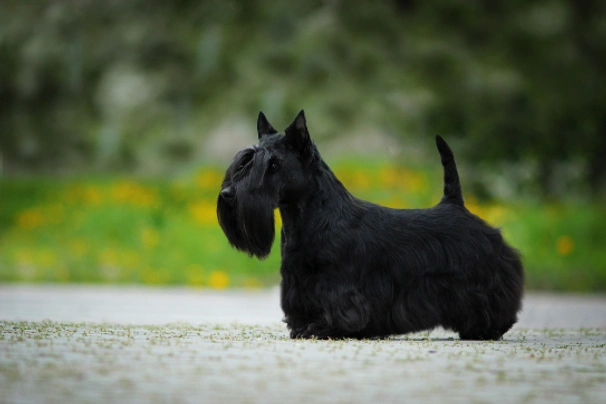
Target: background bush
140 85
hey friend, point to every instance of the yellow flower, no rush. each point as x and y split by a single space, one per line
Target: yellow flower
394 202
78 248
195 275
208 179
413 181
564 245
278 218
360 180
91 195
77 193
149 238
495 214
471 203
153 276
252 283
388 177
178 190
203 212
45 258
108 257
133 193
30 218
129 259
218 280
344 176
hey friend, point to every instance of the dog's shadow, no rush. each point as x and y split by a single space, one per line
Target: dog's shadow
447 339
422 339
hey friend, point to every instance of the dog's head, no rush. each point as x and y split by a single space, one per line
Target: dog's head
271 174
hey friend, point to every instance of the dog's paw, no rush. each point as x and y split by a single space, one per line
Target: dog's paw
312 331
297 332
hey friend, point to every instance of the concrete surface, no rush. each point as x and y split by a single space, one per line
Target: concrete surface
172 345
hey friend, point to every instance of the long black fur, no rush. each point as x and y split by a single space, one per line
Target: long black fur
354 269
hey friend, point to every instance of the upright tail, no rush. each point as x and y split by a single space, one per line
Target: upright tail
452 187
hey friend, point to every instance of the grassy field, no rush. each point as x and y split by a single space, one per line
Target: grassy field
135 231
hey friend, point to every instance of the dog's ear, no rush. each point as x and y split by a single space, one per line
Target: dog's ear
297 133
263 126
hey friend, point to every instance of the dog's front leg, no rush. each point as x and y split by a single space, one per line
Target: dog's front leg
341 315
318 331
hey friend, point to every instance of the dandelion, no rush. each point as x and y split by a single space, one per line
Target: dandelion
30 218
77 248
108 257
278 218
178 190
129 259
91 195
218 279
149 238
344 176
360 180
388 177
195 275
394 202
44 258
494 214
412 181
471 203
564 245
152 277
208 179
133 193
203 212
252 283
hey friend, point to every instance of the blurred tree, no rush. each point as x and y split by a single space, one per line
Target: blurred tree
121 85
518 79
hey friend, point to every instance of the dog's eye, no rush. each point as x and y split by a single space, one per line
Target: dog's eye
274 165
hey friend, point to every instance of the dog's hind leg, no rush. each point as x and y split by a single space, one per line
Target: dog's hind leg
486 333
479 319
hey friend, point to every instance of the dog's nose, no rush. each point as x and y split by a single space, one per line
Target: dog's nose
227 193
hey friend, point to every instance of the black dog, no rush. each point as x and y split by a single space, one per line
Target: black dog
353 269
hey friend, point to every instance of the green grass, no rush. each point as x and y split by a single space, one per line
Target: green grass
124 230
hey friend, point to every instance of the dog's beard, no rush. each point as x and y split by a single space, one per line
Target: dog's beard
248 222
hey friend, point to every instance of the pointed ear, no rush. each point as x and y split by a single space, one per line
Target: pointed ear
263 126
297 133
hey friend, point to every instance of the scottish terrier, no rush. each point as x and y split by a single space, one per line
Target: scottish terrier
354 269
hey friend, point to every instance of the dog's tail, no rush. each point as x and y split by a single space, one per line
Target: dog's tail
452 187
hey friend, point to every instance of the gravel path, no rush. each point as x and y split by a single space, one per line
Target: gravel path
123 344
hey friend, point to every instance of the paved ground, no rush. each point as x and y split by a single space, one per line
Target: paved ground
112 344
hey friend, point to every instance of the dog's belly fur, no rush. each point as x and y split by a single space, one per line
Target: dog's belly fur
430 267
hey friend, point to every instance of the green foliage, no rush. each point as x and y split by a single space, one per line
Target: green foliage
126 230
119 86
